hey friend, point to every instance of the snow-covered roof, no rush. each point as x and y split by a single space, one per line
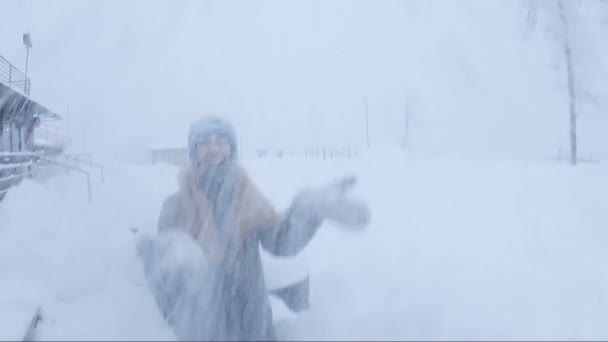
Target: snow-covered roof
170 145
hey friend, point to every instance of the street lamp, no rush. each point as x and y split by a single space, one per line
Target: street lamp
27 41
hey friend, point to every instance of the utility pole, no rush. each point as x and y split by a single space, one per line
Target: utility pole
407 125
69 137
366 121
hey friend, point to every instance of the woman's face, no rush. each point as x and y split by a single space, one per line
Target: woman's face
214 150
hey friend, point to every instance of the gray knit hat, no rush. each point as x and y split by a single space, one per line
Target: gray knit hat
202 128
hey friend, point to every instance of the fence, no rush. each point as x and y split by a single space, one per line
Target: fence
561 157
324 153
16 166
179 155
13 77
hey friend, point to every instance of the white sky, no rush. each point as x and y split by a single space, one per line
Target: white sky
294 74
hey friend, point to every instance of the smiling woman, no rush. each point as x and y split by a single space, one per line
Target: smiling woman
212 141
219 207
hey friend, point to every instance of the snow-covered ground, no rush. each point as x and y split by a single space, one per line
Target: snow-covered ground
455 250
475 233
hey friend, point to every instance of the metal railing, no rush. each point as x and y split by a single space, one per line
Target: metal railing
87 160
70 167
13 77
15 166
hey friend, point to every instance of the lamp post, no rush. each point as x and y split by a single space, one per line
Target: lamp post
27 41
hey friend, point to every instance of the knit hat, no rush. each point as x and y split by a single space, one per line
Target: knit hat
202 128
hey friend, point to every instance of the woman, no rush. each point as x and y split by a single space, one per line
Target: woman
219 208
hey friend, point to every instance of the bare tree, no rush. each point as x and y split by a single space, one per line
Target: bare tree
560 13
570 74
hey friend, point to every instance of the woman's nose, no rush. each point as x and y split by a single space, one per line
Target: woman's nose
215 143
